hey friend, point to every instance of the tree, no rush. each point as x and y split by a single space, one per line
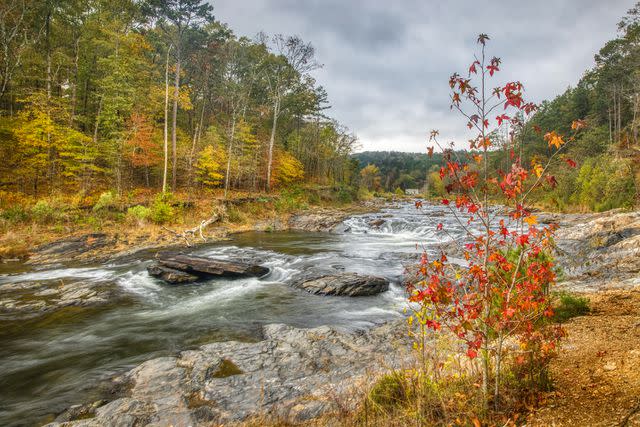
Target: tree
208 166
179 20
293 59
503 290
370 177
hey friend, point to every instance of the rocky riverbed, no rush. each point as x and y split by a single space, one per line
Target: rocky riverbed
298 373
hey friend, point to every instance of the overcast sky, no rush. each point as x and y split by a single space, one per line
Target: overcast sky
387 63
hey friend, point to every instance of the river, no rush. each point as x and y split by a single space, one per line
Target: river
52 361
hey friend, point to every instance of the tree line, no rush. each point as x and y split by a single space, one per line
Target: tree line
598 170
124 94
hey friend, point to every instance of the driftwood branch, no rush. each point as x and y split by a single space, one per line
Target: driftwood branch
218 215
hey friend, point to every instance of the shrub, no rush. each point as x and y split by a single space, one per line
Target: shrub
139 213
15 214
399 192
44 213
235 216
107 200
161 210
390 391
569 306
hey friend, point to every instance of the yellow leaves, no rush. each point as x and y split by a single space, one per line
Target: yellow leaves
288 169
478 158
531 220
554 139
209 166
537 168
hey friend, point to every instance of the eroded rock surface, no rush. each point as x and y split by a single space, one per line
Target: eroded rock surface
599 250
345 284
290 373
188 268
27 300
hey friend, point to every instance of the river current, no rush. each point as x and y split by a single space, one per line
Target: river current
51 362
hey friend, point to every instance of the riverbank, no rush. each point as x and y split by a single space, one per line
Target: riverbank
111 239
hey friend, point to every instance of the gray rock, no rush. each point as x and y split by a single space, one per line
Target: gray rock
201 266
346 284
290 374
170 275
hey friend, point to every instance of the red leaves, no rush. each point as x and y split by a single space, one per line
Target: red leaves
500 118
472 68
493 66
418 204
570 162
501 289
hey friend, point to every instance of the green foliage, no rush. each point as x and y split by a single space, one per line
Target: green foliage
604 184
399 192
390 391
291 200
139 213
161 209
45 213
235 215
569 306
106 201
15 214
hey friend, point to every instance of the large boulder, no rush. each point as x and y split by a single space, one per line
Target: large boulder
188 268
346 284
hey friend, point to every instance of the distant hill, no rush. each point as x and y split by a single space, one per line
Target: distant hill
400 169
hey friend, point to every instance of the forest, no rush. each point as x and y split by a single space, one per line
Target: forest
159 95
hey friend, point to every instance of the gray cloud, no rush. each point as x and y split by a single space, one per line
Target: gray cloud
386 64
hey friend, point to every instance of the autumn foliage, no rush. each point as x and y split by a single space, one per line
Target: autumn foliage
494 298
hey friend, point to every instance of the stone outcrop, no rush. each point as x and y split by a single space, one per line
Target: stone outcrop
289 374
345 284
188 268
596 250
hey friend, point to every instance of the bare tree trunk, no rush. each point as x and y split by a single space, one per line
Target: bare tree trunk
229 153
74 87
196 138
166 119
97 124
276 111
174 124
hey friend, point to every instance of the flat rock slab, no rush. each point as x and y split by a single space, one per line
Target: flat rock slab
187 268
293 374
170 275
346 284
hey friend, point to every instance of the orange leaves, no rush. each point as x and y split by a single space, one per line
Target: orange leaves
578 124
531 220
430 152
553 139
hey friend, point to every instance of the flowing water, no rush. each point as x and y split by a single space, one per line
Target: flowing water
53 361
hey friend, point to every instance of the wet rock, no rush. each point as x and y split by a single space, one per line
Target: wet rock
289 375
346 284
32 299
170 275
377 222
319 220
183 267
67 249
